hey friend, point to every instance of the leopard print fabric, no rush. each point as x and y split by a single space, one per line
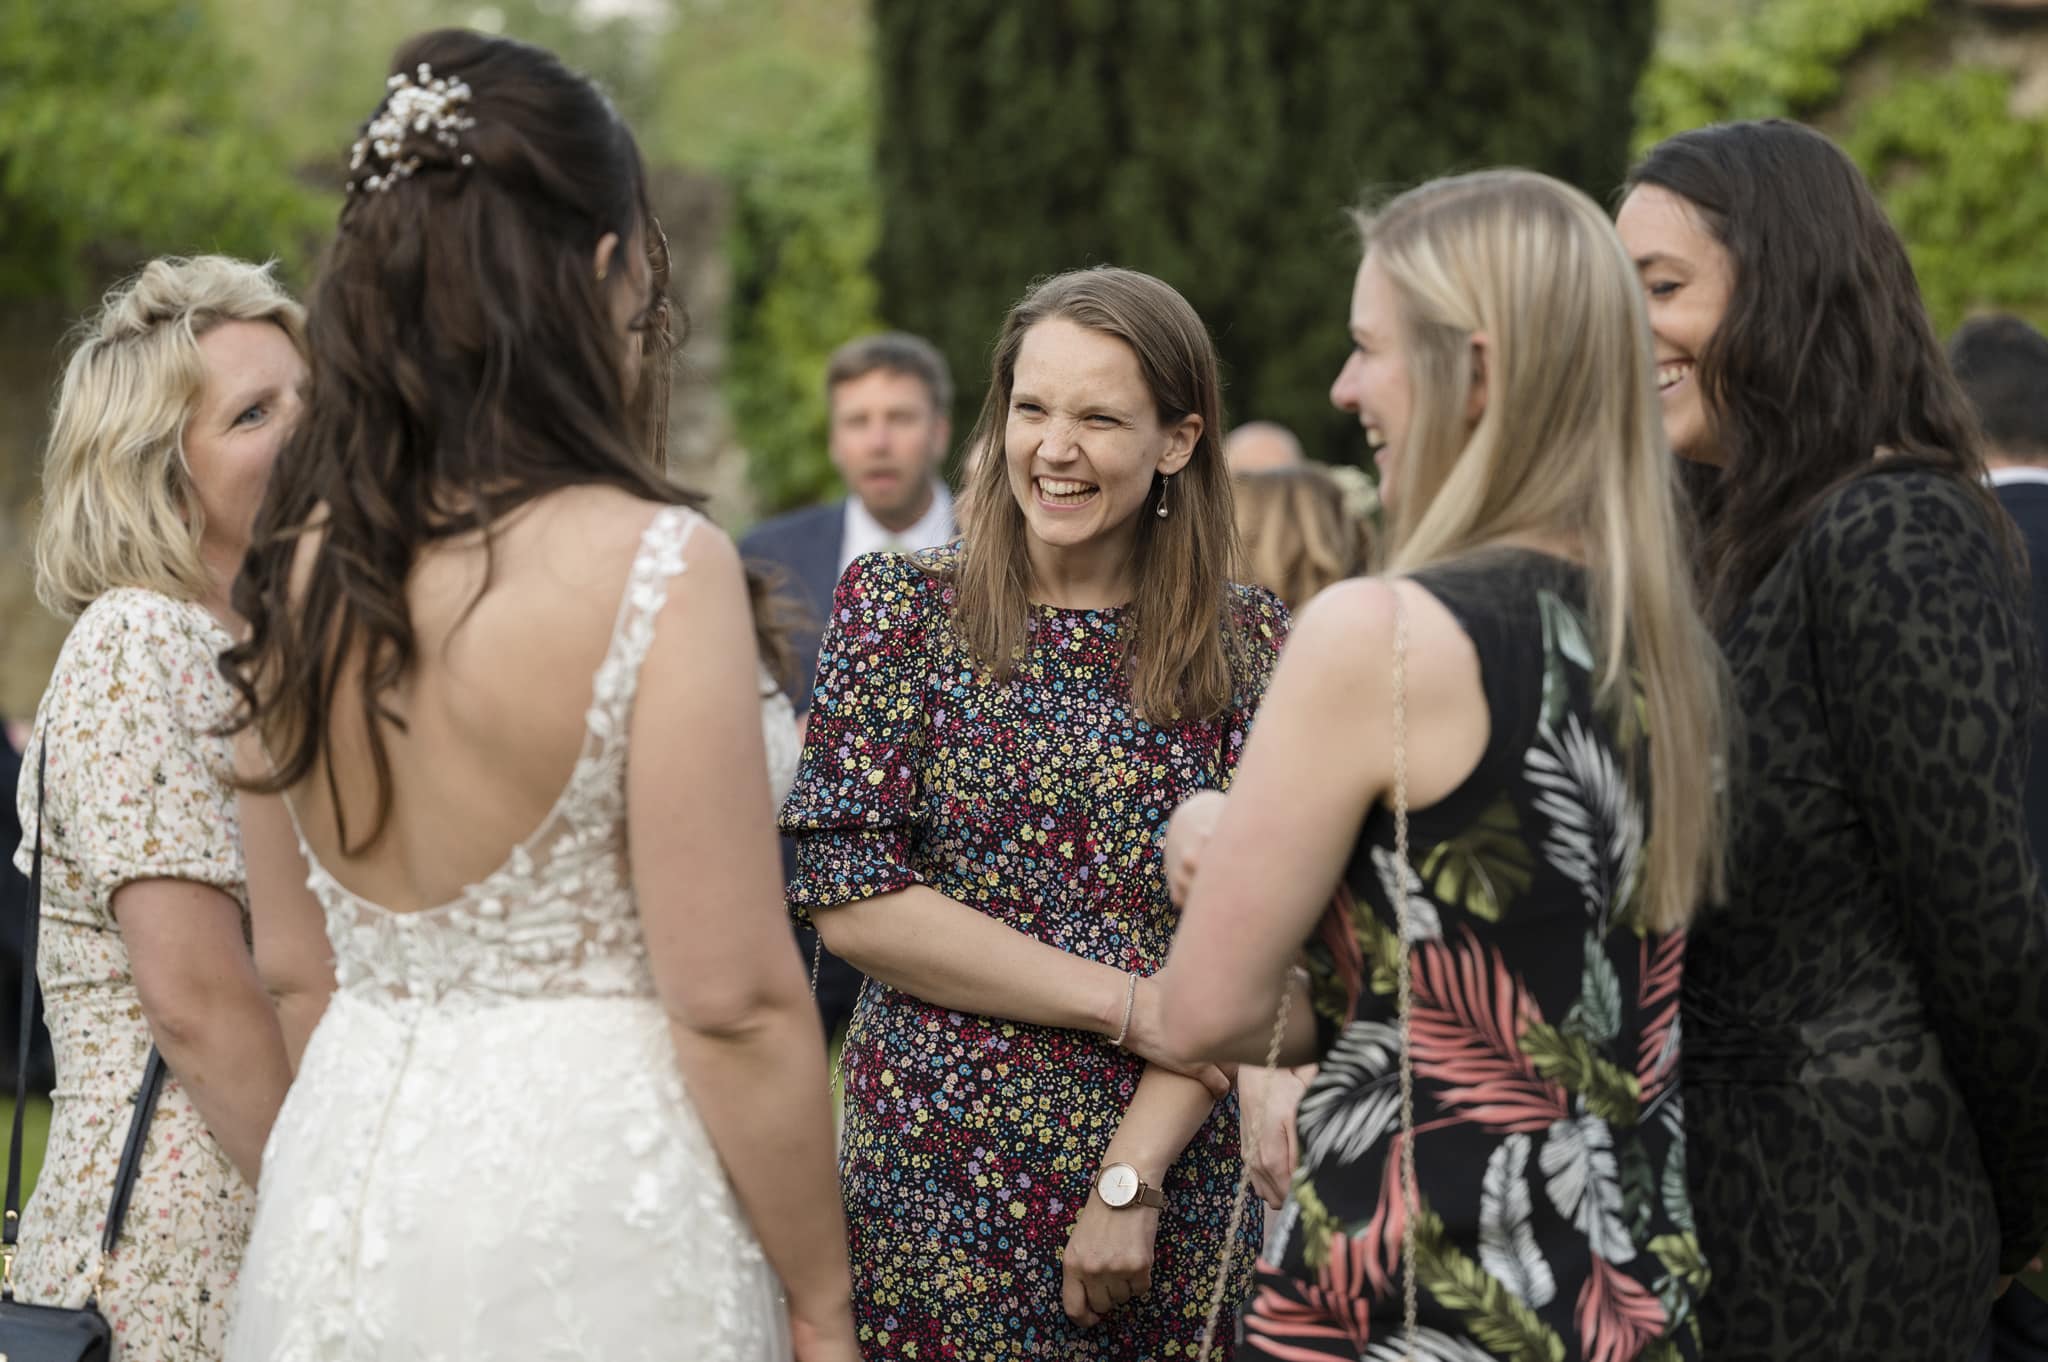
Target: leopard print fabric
1866 1052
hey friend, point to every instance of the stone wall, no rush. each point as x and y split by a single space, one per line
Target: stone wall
694 210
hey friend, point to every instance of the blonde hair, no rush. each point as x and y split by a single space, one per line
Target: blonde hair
1299 535
117 503
1571 442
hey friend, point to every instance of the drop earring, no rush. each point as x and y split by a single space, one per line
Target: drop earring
1165 481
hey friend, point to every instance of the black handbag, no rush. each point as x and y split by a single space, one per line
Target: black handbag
56 1333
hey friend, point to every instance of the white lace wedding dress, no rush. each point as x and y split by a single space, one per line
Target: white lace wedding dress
489 1151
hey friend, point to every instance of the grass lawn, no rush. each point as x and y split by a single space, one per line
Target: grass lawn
34 1136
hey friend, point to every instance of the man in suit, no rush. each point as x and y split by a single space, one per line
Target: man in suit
887 397
2003 365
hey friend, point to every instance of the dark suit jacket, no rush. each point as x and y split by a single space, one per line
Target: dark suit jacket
804 545
2018 1331
2028 504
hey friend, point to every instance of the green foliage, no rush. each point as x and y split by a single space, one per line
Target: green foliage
1967 184
774 96
1960 173
1215 143
124 131
1784 59
804 228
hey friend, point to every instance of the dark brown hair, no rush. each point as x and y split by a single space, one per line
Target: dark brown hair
896 352
1185 653
463 363
1825 356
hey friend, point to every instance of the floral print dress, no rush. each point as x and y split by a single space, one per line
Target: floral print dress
972 1142
134 792
1553 1220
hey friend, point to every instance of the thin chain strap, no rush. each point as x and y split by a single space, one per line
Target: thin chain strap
835 1081
1244 1184
1409 1300
1406 994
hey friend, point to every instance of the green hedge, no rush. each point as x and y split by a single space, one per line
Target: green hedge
124 132
1215 143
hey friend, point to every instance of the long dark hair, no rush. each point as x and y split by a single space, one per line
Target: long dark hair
464 362
1825 355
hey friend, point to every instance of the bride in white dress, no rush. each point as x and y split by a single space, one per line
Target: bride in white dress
566 1096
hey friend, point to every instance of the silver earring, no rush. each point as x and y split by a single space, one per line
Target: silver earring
1165 482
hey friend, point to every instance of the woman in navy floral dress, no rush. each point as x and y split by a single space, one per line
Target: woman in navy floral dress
999 733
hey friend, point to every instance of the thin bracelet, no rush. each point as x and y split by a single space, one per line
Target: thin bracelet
1130 1003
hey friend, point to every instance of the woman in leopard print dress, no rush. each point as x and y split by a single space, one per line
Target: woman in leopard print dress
1866 1049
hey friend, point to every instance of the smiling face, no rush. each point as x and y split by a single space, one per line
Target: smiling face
1374 384
247 406
1687 278
1083 442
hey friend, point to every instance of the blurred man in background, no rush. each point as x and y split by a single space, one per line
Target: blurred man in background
887 399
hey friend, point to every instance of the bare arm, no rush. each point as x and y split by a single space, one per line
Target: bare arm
206 1008
294 959
706 870
918 941
1319 757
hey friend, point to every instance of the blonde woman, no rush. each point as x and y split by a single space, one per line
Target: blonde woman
170 413
1299 535
1561 708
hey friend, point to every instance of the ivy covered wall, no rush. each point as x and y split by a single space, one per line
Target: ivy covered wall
1931 97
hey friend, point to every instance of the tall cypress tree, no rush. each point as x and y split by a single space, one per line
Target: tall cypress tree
1215 143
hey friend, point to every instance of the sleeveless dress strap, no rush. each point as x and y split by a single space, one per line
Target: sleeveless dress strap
659 560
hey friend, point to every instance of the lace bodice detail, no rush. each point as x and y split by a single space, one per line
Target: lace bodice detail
558 917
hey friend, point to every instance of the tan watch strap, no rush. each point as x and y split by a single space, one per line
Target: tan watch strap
1148 1195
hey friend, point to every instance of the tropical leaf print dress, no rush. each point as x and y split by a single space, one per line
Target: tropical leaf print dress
1549 1150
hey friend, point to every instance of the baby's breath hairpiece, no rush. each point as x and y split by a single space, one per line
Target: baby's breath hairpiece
423 103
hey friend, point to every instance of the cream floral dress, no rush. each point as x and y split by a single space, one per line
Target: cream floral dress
134 793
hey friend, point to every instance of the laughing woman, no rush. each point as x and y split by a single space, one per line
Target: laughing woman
1867 1014
1000 730
1555 677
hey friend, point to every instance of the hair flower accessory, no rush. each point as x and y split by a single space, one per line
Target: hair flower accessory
421 103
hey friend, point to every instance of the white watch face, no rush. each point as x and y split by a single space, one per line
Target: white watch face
1118 1184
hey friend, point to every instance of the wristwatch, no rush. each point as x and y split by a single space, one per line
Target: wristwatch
1120 1188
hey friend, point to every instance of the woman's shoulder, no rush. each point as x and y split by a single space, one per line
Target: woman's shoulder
1259 611
152 659
131 630
899 587
1894 497
1896 513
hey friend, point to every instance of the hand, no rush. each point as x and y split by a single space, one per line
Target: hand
1270 1096
2005 1283
1146 1040
1187 832
829 1340
1108 1259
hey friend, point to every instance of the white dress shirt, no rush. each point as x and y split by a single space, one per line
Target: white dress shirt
2014 473
865 534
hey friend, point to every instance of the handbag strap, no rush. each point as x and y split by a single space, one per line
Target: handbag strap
10 1234
145 1098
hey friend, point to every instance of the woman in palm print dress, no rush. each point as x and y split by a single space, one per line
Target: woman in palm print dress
1539 575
